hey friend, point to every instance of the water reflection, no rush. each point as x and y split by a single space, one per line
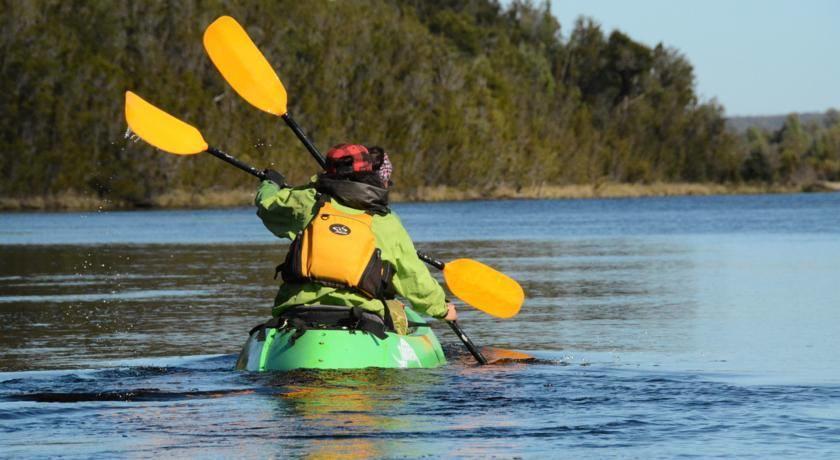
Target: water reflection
338 415
349 414
333 409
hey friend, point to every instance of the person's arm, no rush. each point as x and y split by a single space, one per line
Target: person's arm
284 211
412 279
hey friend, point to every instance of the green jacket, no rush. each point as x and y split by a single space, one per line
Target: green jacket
286 211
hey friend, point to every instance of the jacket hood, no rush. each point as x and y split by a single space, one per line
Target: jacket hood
356 195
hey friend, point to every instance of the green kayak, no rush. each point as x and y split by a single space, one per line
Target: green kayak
281 348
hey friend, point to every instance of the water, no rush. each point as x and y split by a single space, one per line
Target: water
700 326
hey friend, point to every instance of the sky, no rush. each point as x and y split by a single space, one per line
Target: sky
754 57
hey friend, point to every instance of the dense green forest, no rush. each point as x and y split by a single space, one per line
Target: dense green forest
463 93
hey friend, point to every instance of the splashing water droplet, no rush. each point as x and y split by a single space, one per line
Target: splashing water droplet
130 135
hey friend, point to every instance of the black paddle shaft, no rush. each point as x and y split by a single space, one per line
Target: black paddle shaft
467 342
229 159
440 265
431 260
305 140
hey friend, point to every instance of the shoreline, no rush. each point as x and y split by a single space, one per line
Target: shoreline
181 199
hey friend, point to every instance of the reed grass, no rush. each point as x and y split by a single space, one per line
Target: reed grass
205 199
245 197
603 190
59 202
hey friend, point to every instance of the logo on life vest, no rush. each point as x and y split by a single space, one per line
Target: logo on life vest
339 229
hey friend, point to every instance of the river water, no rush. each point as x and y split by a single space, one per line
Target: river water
693 326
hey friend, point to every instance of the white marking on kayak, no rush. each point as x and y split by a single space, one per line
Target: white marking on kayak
407 354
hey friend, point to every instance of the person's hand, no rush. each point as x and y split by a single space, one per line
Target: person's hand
274 176
451 313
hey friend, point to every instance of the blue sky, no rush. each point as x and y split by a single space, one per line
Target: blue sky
755 57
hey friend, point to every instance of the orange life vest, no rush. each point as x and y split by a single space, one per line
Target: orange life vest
338 249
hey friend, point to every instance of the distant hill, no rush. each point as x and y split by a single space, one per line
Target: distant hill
769 122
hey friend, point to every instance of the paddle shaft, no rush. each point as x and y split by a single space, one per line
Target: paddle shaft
305 140
440 265
229 159
431 260
467 342
239 38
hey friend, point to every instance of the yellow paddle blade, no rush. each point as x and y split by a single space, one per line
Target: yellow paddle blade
503 356
161 129
484 288
243 65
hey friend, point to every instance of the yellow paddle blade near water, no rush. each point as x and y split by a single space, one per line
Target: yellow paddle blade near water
503 355
484 288
243 65
161 129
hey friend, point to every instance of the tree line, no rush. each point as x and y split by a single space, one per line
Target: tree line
464 93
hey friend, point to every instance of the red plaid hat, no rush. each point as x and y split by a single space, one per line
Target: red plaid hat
348 158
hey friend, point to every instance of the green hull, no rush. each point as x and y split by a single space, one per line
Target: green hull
341 349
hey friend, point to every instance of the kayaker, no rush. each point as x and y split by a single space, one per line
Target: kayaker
345 209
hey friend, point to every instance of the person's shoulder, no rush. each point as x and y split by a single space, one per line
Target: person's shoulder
305 188
301 196
271 186
390 224
391 216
